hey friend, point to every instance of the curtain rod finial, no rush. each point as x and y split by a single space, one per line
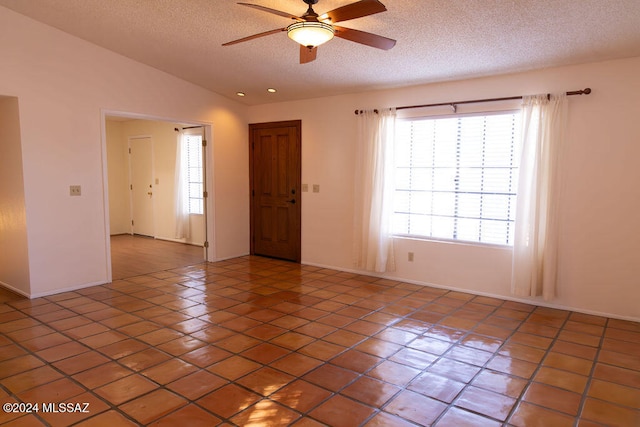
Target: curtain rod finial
587 91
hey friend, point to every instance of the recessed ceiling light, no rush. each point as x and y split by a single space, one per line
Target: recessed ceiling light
271 90
240 94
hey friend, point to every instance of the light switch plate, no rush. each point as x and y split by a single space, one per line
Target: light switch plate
305 188
316 188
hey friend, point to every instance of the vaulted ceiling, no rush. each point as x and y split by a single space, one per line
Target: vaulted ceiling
437 40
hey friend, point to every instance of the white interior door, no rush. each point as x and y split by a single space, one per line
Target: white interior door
141 185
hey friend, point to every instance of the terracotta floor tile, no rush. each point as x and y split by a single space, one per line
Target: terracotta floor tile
228 400
265 381
19 364
344 338
296 364
169 371
190 415
553 398
375 352
81 362
481 342
486 402
384 419
508 365
340 411
568 363
437 387
378 347
528 415
144 359
610 414
29 379
370 391
94 406
394 373
628 361
102 375
456 417
573 349
455 370
469 355
617 375
322 350
159 336
615 393
181 345
431 345
620 346
292 340
106 419
125 389
62 351
522 352
565 380
56 391
237 343
300 395
415 407
500 383
152 406
234 367
265 413
196 385
205 356
123 348
356 361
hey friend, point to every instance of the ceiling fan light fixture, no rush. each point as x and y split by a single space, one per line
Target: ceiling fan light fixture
310 33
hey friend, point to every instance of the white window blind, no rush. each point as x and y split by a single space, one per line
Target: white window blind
194 173
456 177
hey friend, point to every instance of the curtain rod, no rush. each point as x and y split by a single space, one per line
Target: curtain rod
586 91
188 127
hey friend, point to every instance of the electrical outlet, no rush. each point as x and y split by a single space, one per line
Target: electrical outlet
410 256
305 188
75 190
316 188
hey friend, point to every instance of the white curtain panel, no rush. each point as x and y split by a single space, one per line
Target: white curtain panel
182 189
535 249
373 242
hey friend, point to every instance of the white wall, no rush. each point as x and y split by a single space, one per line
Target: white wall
600 247
63 86
14 262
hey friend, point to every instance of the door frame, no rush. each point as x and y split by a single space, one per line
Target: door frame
298 180
210 252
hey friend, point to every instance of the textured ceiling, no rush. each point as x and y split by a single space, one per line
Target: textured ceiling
437 40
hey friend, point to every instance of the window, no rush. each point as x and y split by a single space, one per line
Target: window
456 177
194 173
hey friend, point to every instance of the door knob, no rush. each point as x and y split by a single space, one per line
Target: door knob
292 201
150 193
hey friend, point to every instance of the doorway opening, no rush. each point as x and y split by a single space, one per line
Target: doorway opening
142 157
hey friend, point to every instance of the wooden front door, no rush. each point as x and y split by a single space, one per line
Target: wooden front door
275 176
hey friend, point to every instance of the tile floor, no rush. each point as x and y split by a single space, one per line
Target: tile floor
259 342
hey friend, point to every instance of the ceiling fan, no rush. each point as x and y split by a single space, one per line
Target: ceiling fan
311 30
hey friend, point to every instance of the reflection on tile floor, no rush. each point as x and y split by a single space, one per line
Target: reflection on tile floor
260 342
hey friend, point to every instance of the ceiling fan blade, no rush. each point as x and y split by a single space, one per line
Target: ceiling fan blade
255 36
308 54
354 10
365 38
274 11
